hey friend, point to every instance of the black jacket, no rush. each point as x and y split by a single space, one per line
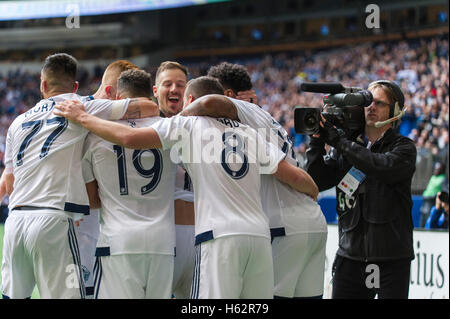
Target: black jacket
375 224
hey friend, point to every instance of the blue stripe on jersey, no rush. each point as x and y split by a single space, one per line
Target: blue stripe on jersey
196 278
78 258
90 291
207 235
87 98
97 276
76 208
277 232
102 251
73 244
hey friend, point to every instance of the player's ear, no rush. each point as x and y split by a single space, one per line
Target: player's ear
229 93
75 86
110 92
187 100
155 91
44 86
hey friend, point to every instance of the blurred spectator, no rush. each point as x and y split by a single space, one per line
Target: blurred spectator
433 188
439 212
424 166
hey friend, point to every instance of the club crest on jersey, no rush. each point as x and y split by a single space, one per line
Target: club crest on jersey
132 123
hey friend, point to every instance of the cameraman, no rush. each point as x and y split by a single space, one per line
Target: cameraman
374 214
439 213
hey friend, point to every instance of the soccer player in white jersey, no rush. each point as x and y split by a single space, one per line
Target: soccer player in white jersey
137 233
171 79
298 226
88 228
234 258
43 160
170 83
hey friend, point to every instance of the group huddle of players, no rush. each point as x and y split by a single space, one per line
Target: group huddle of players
92 183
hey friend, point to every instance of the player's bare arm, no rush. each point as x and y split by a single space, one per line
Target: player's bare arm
134 138
297 178
184 212
94 198
2 187
6 183
140 108
212 105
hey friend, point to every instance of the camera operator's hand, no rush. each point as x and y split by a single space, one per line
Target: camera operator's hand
319 135
329 133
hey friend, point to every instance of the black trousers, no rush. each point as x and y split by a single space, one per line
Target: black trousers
363 280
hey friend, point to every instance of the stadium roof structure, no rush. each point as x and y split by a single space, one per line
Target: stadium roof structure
20 10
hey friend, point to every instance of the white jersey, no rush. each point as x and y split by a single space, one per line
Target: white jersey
136 189
285 207
45 152
224 168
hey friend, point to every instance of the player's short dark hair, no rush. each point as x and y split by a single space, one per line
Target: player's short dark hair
169 65
60 70
136 83
232 76
203 85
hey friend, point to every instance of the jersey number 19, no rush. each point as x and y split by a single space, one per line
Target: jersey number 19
153 173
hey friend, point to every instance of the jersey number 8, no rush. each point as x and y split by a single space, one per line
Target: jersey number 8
234 146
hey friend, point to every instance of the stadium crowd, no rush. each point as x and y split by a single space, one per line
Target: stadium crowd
420 66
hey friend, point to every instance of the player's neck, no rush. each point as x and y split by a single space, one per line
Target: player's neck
97 95
52 93
162 113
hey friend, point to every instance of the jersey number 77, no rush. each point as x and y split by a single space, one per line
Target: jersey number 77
36 126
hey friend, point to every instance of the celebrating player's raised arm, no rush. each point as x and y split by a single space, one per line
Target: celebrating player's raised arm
297 178
135 138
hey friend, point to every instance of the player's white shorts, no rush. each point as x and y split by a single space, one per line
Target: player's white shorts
40 247
299 263
231 267
87 233
134 276
184 261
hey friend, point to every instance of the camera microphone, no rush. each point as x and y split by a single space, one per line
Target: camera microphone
361 98
313 87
